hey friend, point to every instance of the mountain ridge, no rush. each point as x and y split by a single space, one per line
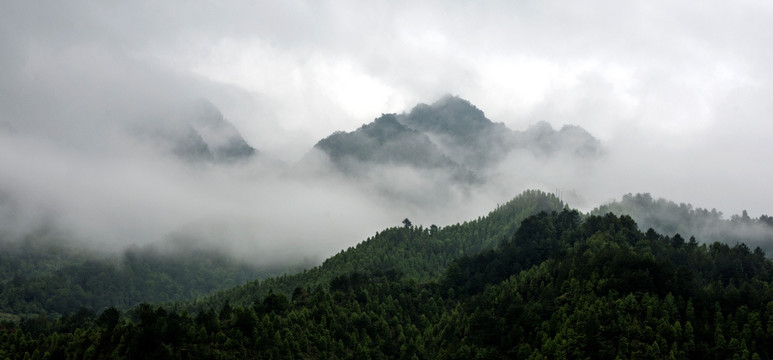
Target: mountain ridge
451 134
416 252
197 133
562 286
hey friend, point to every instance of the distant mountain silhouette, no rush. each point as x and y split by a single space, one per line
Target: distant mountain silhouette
199 133
449 134
386 141
461 130
542 140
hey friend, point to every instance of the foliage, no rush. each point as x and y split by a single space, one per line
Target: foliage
562 286
42 274
415 252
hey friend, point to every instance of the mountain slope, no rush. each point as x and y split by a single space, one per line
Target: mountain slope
451 135
414 252
461 130
562 286
603 289
384 141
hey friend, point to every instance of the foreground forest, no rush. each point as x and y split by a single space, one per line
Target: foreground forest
561 285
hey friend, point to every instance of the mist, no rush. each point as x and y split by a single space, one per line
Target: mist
680 108
695 223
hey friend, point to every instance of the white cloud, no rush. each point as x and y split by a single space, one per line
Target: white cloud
678 91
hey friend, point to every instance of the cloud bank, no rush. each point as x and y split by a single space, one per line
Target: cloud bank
677 93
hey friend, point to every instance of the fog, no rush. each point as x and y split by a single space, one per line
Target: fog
705 226
137 195
678 96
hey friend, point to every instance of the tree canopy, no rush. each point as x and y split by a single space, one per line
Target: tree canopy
561 286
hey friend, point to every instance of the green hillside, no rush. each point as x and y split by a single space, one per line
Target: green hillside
414 252
563 286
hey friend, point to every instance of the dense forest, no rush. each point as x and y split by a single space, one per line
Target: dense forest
562 285
44 273
416 252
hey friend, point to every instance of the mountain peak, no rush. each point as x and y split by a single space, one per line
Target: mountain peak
224 141
197 132
384 127
458 104
449 115
449 134
385 140
460 129
542 139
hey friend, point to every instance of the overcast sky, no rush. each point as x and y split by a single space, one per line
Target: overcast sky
679 92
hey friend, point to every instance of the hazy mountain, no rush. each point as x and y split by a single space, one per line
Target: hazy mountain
198 132
542 140
385 141
461 130
452 134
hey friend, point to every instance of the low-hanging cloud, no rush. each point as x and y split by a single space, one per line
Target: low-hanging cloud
678 95
256 210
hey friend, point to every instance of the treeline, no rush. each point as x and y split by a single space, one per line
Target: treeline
562 286
416 252
668 217
45 274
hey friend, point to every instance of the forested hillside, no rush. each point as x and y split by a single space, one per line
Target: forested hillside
415 252
563 286
44 274
346 180
705 225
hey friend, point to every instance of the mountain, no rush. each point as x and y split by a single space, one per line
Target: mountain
384 141
562 286
542 140
461 130
414 252
450 134
44 273
198 132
